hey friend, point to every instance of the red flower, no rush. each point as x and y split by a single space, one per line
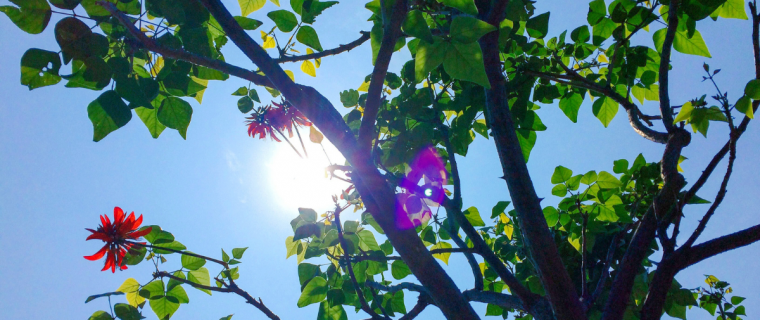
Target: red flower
116 235
269 119
260 123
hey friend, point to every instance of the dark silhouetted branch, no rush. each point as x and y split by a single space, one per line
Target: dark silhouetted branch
331 52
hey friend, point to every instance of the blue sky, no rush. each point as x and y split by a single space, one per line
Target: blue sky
222 189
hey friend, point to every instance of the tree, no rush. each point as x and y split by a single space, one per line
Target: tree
477 68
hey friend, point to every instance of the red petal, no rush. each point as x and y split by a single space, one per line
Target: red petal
98 254
109 262
123 267
99 236
137 234
137 223
118 215
102 221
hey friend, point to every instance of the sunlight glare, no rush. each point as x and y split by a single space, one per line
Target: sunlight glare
300 182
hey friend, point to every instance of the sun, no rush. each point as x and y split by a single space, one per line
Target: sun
303 182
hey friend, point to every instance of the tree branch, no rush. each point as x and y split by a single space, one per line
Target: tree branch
535 231
398 287
183 55
156 247
605 269
505 301
667 46
422 302
350 269
391 32
720 245
718 198
232 288
633 111
331 52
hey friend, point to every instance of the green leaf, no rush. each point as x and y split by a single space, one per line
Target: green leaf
400 270
561 174
466 6
693 45
744 105
559 190
308 36
349 98
732 9
620 166
225 256
192 263
473 216
174 245
368 241
603 30
538 26
570 104
32 16
126 312
150 119
428 57
315 291
249 6
285 20
179 293
307 230
153 289
164 306
107 114
752 89
39 68
589 178
201 277
306 272
596 12
735 300
99 315
313 8
605 110
527 140
248 23
465 62
551 215
327 312
237 253
580 34
107 294
416 26
65 4
499 208
466 29
608 181
685 113
245 104
175 113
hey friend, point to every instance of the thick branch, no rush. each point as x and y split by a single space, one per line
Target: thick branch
331 52
720 245
667 46
538 239
391 32
422 302
505 301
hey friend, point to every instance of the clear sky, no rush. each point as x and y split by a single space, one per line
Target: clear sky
222 189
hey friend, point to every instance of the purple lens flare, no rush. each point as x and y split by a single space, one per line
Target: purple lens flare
422 186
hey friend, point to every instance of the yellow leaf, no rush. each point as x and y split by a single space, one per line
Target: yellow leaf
364 87
199 95
269 43
290 75
602 58
130 287
509 229
294 50
143 30
249 6
314 135
318 61
680 159
448 193
711 280
327 222
442 256
308 68
157 66
449 114
276 2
